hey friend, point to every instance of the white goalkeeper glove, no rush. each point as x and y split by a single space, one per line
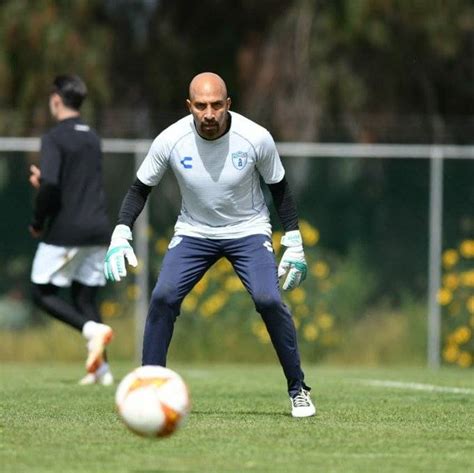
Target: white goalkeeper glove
119 249
293 263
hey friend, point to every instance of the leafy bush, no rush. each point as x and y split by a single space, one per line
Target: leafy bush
456 297
332 298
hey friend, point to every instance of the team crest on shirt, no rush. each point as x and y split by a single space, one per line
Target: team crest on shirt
239 160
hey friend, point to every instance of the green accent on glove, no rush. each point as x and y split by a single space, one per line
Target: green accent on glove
302 267
109 275
114 250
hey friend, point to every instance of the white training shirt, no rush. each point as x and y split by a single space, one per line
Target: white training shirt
219 179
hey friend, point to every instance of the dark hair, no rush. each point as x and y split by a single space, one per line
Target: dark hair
71 89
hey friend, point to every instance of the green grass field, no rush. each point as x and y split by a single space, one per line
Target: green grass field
240 422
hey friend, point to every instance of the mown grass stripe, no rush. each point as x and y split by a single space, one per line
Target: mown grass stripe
416 386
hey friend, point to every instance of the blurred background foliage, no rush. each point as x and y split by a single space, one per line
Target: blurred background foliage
369 71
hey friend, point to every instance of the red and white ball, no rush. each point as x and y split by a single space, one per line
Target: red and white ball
153 401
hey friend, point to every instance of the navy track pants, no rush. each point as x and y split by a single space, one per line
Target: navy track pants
252 258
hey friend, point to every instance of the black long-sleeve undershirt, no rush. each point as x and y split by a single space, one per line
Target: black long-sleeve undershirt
133 203
137 195
284 204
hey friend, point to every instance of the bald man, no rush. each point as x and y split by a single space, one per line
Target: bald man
218 158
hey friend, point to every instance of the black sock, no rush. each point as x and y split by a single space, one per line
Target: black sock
84 299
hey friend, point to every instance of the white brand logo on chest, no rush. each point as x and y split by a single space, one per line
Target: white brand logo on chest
239 160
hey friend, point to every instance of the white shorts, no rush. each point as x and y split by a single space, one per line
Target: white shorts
60 265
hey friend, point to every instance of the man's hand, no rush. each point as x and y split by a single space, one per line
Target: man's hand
293 262
119 249
35 176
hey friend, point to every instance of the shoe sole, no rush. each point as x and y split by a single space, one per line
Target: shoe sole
300 415
304 415
96 356
86 382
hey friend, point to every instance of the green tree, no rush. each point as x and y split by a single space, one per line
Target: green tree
41 39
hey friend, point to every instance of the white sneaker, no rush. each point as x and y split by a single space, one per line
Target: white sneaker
88 379
99 335
301 405
102 376
106 379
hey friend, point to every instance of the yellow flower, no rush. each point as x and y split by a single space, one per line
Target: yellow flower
213 304
309 233
201 286
161 245
451 339
133 292
190 303
297 295
320 269
445 296
467 278
205 311
451 281
276 241
221 267
462 335
259 329
450 258
325 321
467 248
470 305
465 359
233 284
109 309
451 353
310 332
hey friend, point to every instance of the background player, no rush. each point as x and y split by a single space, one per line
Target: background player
218 157
70 218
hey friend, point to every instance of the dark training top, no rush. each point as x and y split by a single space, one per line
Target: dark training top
70 206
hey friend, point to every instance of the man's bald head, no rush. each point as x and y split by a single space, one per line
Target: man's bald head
207 83
209 104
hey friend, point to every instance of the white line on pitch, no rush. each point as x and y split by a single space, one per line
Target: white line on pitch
416 386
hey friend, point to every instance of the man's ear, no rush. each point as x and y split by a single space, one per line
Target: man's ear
57 99
188 104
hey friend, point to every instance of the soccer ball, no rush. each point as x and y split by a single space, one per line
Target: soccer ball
152 401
